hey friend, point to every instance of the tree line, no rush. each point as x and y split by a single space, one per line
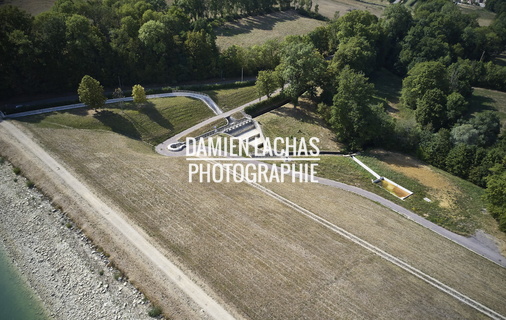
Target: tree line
126 41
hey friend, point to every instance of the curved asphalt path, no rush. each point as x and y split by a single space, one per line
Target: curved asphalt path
203 97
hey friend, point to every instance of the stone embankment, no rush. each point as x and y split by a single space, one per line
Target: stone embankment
72 277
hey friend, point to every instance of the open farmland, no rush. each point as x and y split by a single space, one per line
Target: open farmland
258 29
33 7
329 7
267 260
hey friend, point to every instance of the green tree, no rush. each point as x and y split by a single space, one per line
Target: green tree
357 23
267 82
465 134
357 53
421 78
456 106
139 94
460 160
202 53
488 126
301 68
434 147
352 117
91 93
153 35
431 109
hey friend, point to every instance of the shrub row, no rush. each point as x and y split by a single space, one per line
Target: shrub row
267 105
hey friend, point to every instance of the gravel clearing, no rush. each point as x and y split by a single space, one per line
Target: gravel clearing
67 272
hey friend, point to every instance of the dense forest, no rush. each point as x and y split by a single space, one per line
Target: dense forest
440 52
135 41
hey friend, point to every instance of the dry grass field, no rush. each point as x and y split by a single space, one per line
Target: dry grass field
485 99
328 8
485 17
256 30
33 7
267 260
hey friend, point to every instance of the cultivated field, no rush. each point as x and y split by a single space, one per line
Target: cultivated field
267 260
256 30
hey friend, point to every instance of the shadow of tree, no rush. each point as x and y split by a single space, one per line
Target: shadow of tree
33 119
155 116
247 25
479 103
118 124
305 112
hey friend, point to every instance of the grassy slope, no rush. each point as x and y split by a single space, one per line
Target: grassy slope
301 122
229 99
153 123
485 17
256 30
389 86
484 99
329 7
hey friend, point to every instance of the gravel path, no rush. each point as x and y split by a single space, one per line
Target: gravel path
61 265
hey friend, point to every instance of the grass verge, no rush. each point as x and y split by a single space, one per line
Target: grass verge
153 123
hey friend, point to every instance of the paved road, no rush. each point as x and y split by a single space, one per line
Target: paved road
162 148
203 97
131 235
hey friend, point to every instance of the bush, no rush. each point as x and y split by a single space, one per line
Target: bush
267 105
2 160
30 184
16 170
155 311
117 275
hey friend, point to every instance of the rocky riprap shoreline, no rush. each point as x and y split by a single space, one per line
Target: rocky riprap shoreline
72 277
